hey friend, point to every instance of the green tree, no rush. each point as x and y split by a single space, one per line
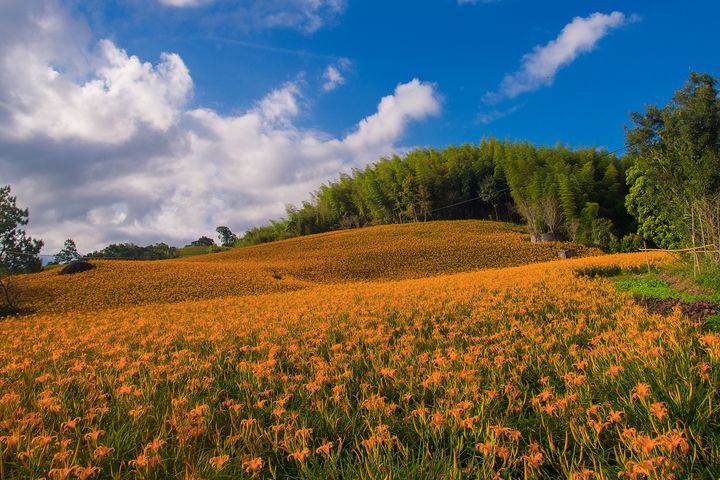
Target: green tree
18 252
226 236
203 242
674 182
489 193
68 253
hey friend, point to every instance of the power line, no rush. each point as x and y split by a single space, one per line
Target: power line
465 201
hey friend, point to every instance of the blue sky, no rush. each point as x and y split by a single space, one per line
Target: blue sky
464 49
157 120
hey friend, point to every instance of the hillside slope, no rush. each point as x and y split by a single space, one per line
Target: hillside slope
413 250
370 254
521 372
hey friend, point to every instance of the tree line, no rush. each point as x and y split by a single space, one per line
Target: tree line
578 193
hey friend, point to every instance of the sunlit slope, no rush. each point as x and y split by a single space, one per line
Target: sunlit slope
525 372
385 252
127 283
369 254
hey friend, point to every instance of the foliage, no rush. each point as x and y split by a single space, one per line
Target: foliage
269 233
675 178
69 253
547 186
226 236
653 286
203 242
77 266
648 286
603 271
578 193
131 251
709 276
18 252
191 251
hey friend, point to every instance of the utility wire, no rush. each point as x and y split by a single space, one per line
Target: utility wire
465 201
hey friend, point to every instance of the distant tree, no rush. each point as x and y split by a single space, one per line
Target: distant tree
269 233
160 251
489 193
68 253
547 186
203 242
226 236
18 252
675 179
131 251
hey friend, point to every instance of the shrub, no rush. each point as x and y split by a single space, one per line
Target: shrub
77 266
596 271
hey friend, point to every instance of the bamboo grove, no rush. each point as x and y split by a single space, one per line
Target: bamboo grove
579 193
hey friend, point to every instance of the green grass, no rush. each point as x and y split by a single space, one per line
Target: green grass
709 277
712 323
674 281
192 251
649 286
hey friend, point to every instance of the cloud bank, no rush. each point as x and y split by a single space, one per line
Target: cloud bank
540 66
103 147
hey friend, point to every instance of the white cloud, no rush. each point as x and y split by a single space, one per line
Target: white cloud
487 117
281 105
122 95
540 66
305 15
103 147
333 75
333 78
412 100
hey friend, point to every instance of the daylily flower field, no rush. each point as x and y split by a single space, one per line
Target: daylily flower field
439 350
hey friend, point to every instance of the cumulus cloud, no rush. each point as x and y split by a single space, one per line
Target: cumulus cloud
540 66
103 147
281 105
333 75
124 94
333 78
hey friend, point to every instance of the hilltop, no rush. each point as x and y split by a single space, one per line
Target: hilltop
388 252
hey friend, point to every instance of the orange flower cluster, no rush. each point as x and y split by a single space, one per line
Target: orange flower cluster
521 372
373 254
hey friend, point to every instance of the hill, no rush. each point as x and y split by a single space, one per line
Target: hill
368 254
530 371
